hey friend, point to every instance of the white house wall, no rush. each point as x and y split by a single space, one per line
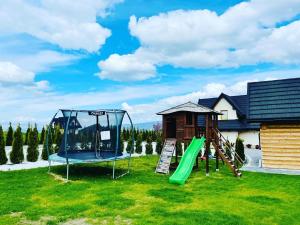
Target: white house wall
223 104
250 137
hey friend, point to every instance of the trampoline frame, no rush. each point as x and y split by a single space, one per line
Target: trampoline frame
74 161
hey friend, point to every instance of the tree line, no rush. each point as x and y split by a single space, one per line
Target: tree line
141 135
32 138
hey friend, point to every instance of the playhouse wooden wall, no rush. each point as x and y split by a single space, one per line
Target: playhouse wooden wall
280 145
184 131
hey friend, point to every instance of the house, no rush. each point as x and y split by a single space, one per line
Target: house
233 122
269 116
276 106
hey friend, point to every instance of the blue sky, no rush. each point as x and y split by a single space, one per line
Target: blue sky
139 55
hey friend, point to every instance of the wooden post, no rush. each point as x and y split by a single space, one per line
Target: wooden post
216 139
208 140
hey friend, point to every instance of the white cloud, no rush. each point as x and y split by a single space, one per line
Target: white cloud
11 73
125 68
245 34
69 24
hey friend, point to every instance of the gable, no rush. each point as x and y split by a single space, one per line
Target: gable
223 104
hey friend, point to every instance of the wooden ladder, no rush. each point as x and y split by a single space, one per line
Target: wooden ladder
220 143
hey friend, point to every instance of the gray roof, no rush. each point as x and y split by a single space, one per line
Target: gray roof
277 100
189 107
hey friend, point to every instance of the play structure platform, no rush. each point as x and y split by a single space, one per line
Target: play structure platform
186 164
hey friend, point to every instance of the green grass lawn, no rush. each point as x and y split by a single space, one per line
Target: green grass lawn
143 197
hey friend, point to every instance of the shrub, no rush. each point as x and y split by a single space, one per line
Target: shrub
57 138
129 147
159 145
3 157
9 135
138 144
32 150
16 155
239 148
42 137
149 148
47 144
27 135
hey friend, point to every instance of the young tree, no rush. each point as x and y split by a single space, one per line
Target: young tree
159 145
57 137
3 157
239 148
48 143
32 150
149 148
27 134
42 136
9 135
129 146
138 144
17 155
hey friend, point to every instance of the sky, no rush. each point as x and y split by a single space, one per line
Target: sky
139 55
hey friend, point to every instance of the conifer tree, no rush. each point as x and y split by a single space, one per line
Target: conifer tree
129 146
239 148
138 144
9 135
32 150
48 142
149 148
27 135
159 144
42 136
3 157
57 137
17 155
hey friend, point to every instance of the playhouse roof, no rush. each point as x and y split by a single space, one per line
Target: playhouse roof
189 107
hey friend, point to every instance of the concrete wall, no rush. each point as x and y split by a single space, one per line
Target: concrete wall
223 104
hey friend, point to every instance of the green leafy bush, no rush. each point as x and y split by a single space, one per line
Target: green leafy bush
17 155
3 157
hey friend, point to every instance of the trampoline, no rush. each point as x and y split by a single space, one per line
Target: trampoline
89 136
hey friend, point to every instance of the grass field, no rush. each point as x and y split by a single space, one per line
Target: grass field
143 197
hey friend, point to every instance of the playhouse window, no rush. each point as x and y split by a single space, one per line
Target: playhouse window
189 118
224 115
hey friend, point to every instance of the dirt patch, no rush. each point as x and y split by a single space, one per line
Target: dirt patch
76 222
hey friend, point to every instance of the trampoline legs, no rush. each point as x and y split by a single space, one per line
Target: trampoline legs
67 170
114 165
49 167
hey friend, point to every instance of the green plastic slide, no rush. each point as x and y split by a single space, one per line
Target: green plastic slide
187 161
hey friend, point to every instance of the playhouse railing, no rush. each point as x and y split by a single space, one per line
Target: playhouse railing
225 144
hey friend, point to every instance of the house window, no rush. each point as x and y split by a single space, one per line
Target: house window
189 118
224 115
